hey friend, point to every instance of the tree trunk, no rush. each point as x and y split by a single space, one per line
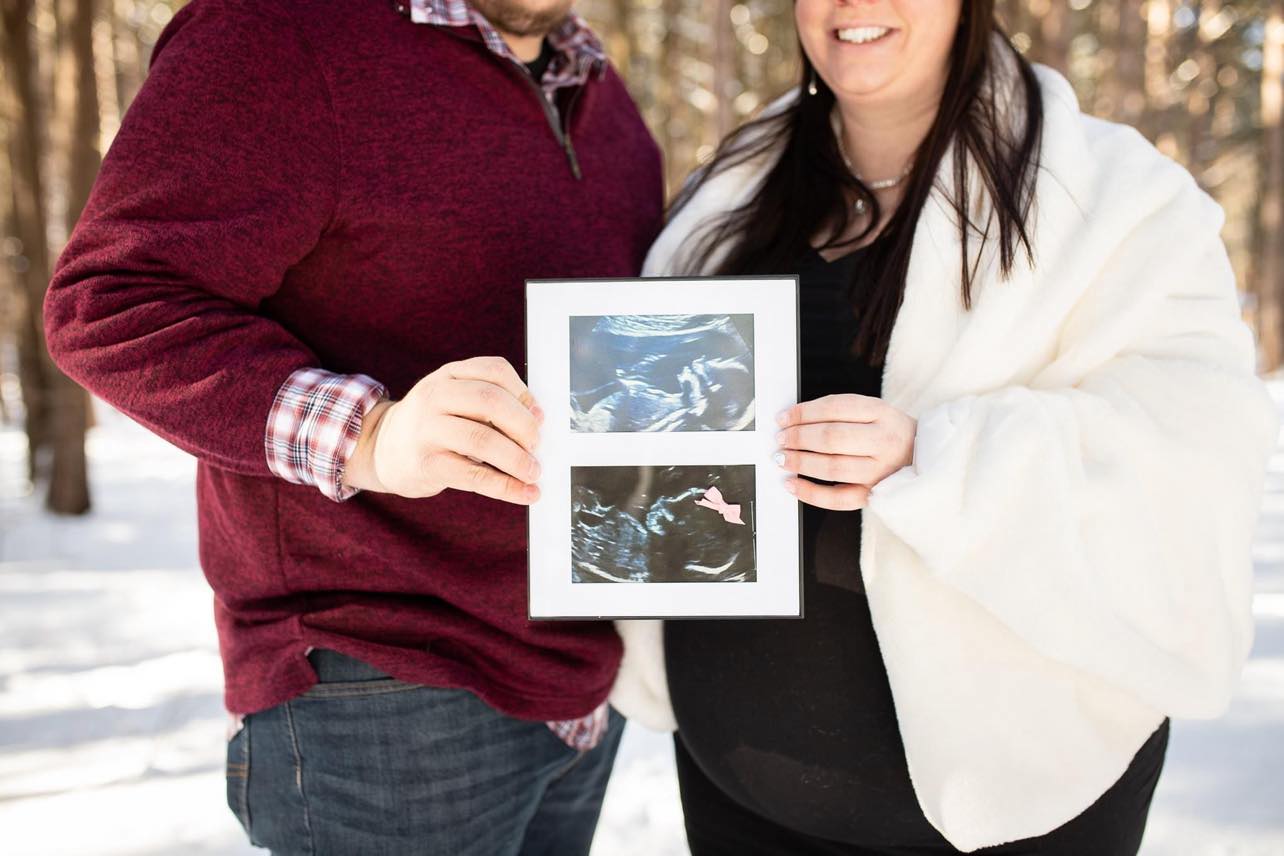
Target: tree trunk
55 407
1159 21
668 87
724 67
28 219
1198 114
69 405
126 54
1123 90
10 308
1270 280
1055 36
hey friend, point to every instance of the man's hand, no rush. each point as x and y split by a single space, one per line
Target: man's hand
852 440
471 425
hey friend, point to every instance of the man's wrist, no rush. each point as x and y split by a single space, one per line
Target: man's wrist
313 426
359 470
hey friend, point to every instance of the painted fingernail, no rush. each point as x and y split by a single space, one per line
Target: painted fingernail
779 458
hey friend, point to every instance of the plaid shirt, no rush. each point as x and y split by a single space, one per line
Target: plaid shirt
576 50
316 416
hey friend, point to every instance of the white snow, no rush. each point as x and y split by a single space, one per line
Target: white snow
112 729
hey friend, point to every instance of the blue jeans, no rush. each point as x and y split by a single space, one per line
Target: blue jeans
367 764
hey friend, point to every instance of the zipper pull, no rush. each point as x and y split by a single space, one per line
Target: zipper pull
570 156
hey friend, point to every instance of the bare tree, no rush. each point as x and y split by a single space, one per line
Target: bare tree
1054 35
55 407
27 199
68 404
11 259
724 67
1270 279
1123 91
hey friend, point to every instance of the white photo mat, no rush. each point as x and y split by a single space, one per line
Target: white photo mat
776 589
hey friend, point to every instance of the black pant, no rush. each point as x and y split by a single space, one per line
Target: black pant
1112 826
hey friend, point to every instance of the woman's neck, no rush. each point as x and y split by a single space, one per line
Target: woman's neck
879 144
880 140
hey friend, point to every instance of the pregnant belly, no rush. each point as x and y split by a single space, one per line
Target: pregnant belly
793 718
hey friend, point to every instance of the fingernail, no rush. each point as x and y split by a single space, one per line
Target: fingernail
790 486
783 417
779 458
536 469
538 411
780 438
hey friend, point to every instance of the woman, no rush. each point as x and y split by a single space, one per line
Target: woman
1022 355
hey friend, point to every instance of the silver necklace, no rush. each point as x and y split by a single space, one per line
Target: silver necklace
859 206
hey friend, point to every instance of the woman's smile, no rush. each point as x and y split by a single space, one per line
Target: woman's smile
865 36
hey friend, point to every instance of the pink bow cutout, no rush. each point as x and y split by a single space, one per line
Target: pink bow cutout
713 499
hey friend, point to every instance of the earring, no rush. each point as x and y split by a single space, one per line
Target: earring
811 83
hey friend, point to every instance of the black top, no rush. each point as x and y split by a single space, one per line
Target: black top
793 718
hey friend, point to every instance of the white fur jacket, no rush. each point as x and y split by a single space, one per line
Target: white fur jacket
1067 559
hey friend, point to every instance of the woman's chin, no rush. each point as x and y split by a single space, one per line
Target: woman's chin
863 88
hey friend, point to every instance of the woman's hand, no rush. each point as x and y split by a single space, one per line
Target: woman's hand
853 440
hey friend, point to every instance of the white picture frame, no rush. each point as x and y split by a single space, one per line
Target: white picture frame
648 413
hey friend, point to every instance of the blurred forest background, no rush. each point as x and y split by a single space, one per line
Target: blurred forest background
1203 79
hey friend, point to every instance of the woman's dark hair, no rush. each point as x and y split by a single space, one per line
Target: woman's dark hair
808 189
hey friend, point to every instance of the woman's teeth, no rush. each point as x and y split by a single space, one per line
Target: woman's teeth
861 35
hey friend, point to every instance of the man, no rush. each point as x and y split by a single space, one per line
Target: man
303 262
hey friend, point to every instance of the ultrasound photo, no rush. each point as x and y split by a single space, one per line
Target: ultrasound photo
662 373
658 524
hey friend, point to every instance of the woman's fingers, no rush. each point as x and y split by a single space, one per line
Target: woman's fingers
833 438
838 497
839 407
851 473
835 468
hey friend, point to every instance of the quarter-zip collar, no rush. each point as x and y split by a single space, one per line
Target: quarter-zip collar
578 53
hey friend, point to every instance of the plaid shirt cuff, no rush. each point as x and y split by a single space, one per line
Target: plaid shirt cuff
583 733
314 424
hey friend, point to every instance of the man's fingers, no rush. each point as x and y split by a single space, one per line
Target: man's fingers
457 471
486 444
485 402
496 370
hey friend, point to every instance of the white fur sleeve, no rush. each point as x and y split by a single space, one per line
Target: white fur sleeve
1104 511
641 690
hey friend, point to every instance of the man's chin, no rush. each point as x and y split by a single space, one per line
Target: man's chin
524 17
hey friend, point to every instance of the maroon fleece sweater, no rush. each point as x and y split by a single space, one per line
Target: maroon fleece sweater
329 184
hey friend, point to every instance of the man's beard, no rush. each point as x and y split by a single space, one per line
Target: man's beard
509 16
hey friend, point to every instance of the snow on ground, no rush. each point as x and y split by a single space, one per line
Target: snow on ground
111 726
